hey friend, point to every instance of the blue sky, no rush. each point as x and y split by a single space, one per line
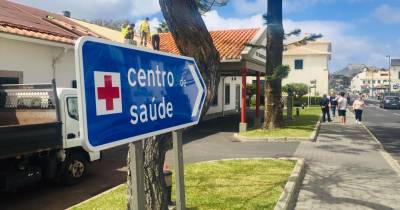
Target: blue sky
361 31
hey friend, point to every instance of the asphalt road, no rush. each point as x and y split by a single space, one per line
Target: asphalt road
208 141
385 125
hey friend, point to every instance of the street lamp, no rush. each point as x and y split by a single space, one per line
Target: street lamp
390 84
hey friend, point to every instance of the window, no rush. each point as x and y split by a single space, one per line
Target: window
379 82
227 94
373 81
298 64
8 80
72 106
363 81
11 77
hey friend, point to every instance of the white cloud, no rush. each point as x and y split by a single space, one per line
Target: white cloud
145 7
250 6
214 21
388 14
345 48
260 6
98 9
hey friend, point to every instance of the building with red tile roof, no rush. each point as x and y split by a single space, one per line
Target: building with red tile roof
229 43
30 22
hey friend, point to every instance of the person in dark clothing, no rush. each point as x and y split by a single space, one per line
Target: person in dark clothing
324 103
155 39
333 101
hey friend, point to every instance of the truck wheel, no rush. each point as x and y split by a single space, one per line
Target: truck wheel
75 169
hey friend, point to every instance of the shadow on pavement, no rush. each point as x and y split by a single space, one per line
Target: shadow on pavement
348 187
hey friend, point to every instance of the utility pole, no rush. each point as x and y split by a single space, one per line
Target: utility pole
390 83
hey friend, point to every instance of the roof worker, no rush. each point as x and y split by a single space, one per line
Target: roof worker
124 29
129 37
155 39
144 31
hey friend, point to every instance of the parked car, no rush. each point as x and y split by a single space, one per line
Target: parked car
390 102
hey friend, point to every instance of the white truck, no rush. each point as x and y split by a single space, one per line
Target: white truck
39 136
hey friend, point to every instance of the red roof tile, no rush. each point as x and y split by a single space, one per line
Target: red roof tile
31 22
229 43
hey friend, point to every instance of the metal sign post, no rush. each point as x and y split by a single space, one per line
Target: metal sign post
136 178
179 172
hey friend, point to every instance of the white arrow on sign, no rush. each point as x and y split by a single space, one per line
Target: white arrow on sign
200 89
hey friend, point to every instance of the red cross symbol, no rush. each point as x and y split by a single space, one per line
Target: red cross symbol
108 92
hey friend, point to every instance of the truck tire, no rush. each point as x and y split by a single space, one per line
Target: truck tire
75 169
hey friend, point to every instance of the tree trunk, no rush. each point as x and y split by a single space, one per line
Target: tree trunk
154 183
274 50
193 40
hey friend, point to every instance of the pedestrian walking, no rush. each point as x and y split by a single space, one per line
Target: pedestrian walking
155 39
358 106
324 103
144 32
333 102
342 107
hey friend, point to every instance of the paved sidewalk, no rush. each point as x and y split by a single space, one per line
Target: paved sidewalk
345 170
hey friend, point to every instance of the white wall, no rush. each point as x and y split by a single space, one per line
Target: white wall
35 61
314 67
233 81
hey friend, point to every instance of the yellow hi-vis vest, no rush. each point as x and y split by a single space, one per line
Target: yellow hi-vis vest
124 31
144 27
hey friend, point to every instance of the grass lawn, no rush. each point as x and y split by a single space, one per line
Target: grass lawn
236 184
301 126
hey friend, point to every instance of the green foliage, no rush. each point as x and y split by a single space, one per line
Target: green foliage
250 89
280 72
298 89
301 126
304 101
206 5
218 185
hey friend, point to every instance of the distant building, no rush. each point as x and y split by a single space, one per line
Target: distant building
371 82
395 75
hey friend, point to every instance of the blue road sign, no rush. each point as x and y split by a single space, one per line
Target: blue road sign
129 93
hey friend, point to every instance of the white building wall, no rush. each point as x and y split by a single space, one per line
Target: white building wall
35 61
314 67
221 106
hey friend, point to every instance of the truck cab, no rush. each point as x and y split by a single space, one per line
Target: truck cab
40 136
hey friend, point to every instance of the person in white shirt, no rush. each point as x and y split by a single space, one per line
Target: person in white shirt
342 107
358 106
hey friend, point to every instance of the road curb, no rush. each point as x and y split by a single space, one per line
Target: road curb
287 198
389 159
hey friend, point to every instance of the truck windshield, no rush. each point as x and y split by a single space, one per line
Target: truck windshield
72 106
